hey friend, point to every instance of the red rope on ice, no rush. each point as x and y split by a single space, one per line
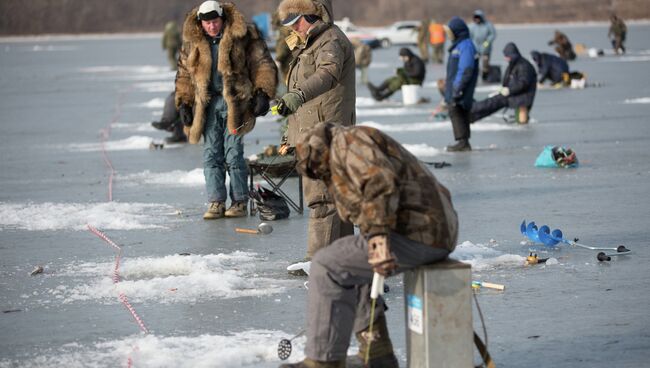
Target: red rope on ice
104 135
116 277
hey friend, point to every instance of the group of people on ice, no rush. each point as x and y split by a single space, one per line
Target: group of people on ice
352 176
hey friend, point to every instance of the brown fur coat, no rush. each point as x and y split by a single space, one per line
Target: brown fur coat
244 62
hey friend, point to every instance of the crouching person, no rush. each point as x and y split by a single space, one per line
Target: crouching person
517 92
406 219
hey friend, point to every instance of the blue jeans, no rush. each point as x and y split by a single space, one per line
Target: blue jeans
221 151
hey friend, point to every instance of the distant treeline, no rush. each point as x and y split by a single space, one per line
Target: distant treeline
20 17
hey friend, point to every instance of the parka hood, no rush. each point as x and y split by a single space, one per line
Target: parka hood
459 28
535 55
313 153
405 51
479 14
320 8
234 24
511 51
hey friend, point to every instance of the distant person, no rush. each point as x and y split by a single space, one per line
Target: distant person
517 91
362 58
225 79
617 33
437 38
552 68
406 219
563 46
462 75
413 72
171 121
423 40
171 42
483 35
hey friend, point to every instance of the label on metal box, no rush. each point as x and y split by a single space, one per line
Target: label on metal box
415 316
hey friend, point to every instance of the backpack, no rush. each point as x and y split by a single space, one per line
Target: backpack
270 206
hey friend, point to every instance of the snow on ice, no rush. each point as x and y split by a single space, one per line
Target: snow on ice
172 279
75 216
241 349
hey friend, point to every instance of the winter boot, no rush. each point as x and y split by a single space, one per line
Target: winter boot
460 146
381 349
237 209
374 92
160 125
384 94
215 211
176 138
308 363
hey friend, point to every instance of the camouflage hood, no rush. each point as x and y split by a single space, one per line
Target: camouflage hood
313 154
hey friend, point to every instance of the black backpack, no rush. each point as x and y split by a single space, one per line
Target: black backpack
270 205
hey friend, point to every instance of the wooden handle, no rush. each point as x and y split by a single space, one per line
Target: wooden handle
493 286
245 231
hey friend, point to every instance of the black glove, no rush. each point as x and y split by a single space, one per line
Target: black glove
186 114
260 103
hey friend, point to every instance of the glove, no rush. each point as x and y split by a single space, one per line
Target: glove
379 255
505 91
186 115
289 103
260 103
486 44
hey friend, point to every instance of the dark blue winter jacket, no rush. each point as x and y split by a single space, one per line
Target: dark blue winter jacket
520 78
549 67
462 66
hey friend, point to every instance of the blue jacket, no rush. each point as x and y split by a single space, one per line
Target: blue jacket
549 67
462 66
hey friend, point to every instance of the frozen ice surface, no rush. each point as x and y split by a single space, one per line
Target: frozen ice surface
214 298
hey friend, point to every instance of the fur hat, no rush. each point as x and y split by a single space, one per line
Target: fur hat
289 8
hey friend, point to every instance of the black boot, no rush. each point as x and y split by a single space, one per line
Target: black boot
460 146
374 91
384 94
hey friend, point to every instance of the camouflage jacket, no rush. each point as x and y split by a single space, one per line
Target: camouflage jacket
380 186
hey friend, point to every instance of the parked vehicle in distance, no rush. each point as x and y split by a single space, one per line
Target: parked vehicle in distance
399 33
352 31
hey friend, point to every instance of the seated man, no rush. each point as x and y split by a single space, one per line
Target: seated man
406 219
413 72
551 67
171 121
517 92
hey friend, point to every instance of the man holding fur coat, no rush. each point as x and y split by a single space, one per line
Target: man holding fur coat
225 79
320 87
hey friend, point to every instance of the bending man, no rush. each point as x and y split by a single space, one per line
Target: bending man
406 220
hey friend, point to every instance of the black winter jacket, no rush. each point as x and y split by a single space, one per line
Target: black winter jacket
414 67
549 67
520 78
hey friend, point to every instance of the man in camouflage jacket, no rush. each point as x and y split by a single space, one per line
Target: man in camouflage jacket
399 207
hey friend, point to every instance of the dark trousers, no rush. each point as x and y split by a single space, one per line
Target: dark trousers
460 119
488 107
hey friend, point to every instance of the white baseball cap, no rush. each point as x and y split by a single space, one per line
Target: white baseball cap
209 10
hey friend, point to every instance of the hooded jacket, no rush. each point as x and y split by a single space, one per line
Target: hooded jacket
323 68
414 66
482 32
549 67
244 62
378 185
520 78
462 66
